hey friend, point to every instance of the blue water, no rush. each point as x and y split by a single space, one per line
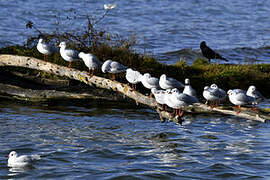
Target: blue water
106 143
88 141
239 30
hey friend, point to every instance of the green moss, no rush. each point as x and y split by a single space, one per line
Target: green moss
201 72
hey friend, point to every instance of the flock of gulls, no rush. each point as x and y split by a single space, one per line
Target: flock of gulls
166 90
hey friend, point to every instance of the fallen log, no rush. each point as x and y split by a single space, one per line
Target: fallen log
103 83
16 92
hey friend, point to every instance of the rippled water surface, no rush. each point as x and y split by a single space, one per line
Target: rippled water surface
239 30
107 143
112 142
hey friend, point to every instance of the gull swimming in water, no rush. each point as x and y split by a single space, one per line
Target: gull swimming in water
213 94
113 67
69 55
91 61
16 161
44 49
133 77
239 98
169 83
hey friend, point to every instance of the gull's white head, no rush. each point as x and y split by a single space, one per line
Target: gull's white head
81 54
163 77
62 44
229 92
206 88
214 86
168 91
252 88
147 75
175 90
129 70
106 65
40 40
187 81
12 154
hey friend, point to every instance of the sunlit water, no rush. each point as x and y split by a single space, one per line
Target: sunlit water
107 142
83 142
170 30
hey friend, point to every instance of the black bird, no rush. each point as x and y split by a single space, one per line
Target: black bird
209 53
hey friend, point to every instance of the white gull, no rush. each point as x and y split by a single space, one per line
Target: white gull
44 48
90 61
213 94
188 89
16 161
113 67
177 101
149 82
69 55
169 83
239 98
160 97
133 77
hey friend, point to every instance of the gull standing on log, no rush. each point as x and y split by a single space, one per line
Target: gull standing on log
91 61
69 55
133 77
188 89
160 97
177 101
239 98
16 161
169 83
213 94
253 92
113 67
149 82
44 49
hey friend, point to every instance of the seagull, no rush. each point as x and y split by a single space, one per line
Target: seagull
149 82
91 61
16 161
133 77
213 93
239 98
209 53
169 83
109 6
177 101
113 67
188 89
253 92
160 97
44 49
69 55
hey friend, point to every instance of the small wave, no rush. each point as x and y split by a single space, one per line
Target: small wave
241 55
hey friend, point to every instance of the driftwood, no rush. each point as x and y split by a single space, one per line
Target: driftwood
16 92
124 89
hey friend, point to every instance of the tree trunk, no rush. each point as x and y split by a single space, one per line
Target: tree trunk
113 86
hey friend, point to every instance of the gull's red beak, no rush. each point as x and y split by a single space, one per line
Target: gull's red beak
58 45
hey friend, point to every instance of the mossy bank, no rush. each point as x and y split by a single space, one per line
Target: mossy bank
201 73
